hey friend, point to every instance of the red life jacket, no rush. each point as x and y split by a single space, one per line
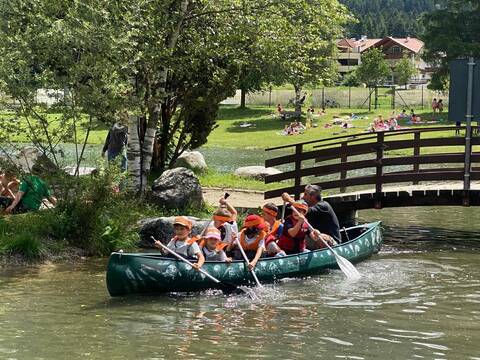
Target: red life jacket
254 245
294 244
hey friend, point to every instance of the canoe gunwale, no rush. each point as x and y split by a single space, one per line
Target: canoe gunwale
371 227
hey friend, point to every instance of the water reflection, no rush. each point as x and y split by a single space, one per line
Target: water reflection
417 299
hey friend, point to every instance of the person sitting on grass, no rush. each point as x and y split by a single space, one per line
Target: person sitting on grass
212 246
182 243
275 227
252 240
31 194
9 184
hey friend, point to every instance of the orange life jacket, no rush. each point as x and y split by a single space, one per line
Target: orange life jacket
190 241
254 245
274 229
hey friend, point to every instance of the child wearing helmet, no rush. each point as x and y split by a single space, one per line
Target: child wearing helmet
292 240
212 246
182 243
252 240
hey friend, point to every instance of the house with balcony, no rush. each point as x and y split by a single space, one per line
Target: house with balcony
350 53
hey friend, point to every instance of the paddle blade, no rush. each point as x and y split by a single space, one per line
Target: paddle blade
347 267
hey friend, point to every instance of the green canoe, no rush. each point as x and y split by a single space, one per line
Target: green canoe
154 273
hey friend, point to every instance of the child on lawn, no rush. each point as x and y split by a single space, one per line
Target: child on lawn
252 240
182 243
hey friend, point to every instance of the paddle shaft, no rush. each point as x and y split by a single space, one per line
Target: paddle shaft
247 262
180 257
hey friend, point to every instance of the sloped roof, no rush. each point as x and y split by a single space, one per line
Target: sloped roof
413 44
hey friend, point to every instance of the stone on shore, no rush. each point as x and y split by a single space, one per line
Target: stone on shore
192 160
177 188
256 172
161 228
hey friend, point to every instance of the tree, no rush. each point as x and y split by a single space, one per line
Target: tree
451 32
55 46
373 70
404 71
305 34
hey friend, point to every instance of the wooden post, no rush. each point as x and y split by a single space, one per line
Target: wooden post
379 164
416 152
343 160
468 133
298 167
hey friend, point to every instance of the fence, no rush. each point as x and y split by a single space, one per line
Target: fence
336 157
344 97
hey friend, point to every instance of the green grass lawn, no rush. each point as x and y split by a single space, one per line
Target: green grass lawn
267 126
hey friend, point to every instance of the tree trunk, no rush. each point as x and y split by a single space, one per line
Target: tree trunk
376 97
298 94
243 95
134 156
151 130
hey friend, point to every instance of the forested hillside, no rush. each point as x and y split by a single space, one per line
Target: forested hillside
379 18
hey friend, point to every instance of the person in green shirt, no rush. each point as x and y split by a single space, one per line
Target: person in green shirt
30 196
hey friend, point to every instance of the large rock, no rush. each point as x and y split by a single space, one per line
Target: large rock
192 160
30 158
177 188
161 228
256 172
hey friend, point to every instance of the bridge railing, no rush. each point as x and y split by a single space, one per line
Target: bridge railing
334 163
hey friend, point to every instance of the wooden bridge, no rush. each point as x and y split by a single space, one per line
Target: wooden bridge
411 167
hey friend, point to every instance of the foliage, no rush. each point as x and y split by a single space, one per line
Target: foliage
351 79
380 18
404 71
374 68
451 32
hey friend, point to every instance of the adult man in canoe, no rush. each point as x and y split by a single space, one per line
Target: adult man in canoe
320 213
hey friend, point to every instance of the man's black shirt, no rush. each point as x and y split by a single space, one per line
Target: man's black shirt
322 217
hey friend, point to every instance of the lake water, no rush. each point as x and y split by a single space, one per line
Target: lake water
419 298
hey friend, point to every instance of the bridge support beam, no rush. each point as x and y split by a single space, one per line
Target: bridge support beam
347 218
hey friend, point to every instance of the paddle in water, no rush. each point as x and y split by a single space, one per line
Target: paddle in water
346 266
226 287
247 262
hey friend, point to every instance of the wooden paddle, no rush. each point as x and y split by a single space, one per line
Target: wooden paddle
346 266
227 287
247 262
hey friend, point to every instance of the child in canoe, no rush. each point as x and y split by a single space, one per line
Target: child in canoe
212 246
275 227
292 240
182 243
252 240
225 220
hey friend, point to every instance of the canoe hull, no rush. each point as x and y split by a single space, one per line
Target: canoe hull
152 273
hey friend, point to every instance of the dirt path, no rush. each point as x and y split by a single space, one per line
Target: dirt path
238 198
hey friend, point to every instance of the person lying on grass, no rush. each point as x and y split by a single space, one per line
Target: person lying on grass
275 227
8 184
212 247
252 240
182 243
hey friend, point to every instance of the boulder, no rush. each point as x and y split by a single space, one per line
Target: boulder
177 188
256 172
192 160
30 158
161 228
